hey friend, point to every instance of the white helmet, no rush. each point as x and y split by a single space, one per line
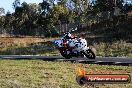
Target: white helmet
69 35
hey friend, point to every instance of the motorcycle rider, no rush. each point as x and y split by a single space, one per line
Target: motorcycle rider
69 36
66 41
71 46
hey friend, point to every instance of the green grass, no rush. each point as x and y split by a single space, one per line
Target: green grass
33 49
114 49
45 74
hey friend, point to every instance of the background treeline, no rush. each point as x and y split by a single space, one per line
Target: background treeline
50 18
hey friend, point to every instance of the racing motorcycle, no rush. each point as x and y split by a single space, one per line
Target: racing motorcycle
71 46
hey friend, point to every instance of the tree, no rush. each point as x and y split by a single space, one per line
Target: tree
2 11
16 4
108 5
44 7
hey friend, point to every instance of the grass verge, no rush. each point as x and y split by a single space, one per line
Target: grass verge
114 49
45 74
39 46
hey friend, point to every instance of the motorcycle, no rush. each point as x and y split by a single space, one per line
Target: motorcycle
70 46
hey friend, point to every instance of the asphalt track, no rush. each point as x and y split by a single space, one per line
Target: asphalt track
97 60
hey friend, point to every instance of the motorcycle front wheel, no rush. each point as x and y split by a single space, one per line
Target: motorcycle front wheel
89 54
64 54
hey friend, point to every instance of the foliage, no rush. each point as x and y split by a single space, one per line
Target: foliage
39 19
2 11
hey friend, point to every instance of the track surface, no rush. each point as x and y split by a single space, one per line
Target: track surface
97 60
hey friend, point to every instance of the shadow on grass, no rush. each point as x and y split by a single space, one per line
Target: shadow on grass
31 49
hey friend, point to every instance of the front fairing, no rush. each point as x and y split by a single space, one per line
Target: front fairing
59 43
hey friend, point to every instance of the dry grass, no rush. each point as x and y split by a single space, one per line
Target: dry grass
41 74
118 48
27 45
24 40
40 46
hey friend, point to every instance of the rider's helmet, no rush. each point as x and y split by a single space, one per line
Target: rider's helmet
69 36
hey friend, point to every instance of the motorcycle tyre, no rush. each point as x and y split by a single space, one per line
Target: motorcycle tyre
90 54
62 52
